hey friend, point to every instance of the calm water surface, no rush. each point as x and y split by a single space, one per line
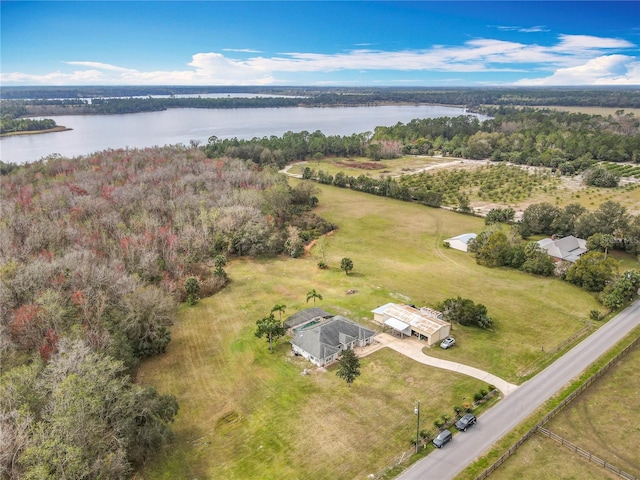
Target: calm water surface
92 133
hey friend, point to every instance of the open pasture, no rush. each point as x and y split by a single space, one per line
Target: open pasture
246 413
398 254
549 459
600 421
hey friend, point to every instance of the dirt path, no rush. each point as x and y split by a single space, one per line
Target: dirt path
286 169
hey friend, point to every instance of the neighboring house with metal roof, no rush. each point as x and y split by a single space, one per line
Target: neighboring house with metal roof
424 323
322 342
308 316
460 242
568 248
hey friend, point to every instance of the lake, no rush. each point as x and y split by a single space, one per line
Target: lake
92 133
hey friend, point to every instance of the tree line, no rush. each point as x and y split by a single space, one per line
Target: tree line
13 125
565 142
109 100
569 142
384 143
290 147
467 96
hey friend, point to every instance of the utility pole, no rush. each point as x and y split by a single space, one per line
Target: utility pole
416 411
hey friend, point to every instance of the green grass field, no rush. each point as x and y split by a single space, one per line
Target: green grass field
600 421
622 169
399 246
245 413
548 459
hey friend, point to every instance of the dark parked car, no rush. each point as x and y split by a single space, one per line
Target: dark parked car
443 438
466 421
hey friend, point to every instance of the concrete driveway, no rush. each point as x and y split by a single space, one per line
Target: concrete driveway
412 348
499 420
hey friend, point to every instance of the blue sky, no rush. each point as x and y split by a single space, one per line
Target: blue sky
451 43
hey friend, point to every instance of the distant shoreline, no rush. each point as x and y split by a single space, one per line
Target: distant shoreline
58 128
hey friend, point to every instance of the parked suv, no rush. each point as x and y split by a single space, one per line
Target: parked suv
466 421
443 438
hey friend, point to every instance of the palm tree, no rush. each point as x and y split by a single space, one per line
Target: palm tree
279 308
313 294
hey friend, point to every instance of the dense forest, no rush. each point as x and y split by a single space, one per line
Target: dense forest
96 253
569 142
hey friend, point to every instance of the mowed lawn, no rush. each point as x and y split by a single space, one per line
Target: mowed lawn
246 413
249 414
602 421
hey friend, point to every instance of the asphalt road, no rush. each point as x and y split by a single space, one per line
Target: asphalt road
465 447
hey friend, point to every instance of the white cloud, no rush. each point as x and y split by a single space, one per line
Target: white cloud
208 69
101 66
82 77
226 70
604 70
571 43
574 59
534 29
471 58
242 50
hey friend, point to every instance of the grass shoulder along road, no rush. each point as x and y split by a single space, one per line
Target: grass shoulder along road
600 421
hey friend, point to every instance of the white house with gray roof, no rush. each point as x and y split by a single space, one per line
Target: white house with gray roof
322 342
568 248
